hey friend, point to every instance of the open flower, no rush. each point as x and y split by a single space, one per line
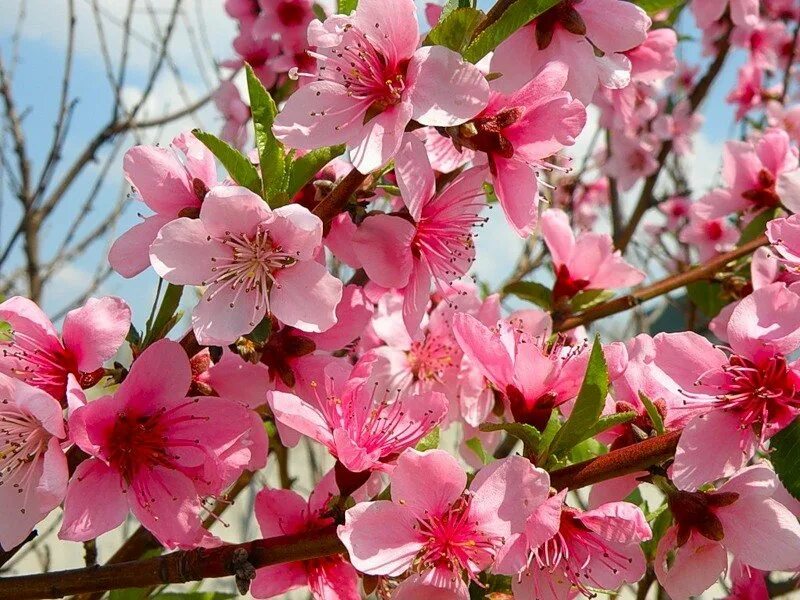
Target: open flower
36 354
736 401
743 12
361 423
372 80
157 453
172 182
253 261
442 531
586 263
33 467
740 517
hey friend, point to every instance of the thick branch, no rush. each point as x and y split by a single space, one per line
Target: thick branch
659 288
332 204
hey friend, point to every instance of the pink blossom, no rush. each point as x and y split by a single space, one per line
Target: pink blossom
709 236
586 263
676 210
35 353
253 261
741 517
765 41
286 20
532 377
284 512
654 59
736 401
33 467
361 423
631 159
442 531
784 117
434 246
570 32
564 550
258 53
757 176
157 453
679 126
517 132
748 584
373 80
241 9
236 113
743 12
748 93
784 235
170 187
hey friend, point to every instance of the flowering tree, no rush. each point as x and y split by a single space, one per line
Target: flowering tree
482 441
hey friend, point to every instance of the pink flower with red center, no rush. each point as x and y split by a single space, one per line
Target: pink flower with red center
253 261
588 262
435 245
709 236
654 59
34 352
749 92
631 159
442 532
571 32
33 467
284 512
363 424
757 176
156 453
286 20
564 551
741 517
372 80
172 182
679 126
517 132
676 210
736 400
532 377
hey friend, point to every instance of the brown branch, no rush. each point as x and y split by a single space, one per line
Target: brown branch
659 288
696 98
494 14
332 204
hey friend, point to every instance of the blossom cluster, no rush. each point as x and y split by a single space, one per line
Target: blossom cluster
360 328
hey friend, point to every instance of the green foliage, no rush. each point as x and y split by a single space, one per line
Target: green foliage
785 457
529 435
451 5
654 6
477 448
707 296
429 442
6 332
531 291
271 154
238 166
585 416
758 225
262 331
518 15
345 7
303 169
167 317
652 412
455 30
589 298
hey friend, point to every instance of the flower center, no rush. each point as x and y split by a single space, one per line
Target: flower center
566 286
291 13
40 366
485 133
23 441
763 195
430 358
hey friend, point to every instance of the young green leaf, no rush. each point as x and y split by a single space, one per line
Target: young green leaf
529 435
652 7
652 412
785 457
707 296
589 298
271 155
165 318
455 30
477 448
303 168
517 15
6 332
531 291
589 404
236 164
345 7
429 442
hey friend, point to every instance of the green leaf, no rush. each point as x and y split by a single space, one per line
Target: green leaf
518 15
451 5
588 448
455 30
262 331
477 448
319 11
6 332
531 291
165 318
429 442
589 298
757 226
236 164
785 457
652 412
707 296
271 155
653 6
589 404
345 7
304 168
549 433
660 520
529 435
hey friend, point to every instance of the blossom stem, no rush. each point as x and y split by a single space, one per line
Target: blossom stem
659 288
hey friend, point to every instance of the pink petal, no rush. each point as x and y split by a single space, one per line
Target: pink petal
445 90
182 253
235 378
712 446
84 517
615 272
391 26
484 349
416 296
130 253
618 522
160 179
706 13
334 579
380 138
199 160
692 569
280 512
305 296
380 537
414 175
161 374
95 331
415 493
383 245
613 489
230 208
278 579
517 188
353 314
27 318
788 189
223 314
558 236
300 416
297 231
766 321
686 356
613 26
52 486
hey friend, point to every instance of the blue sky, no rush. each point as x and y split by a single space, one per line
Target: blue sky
36 86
